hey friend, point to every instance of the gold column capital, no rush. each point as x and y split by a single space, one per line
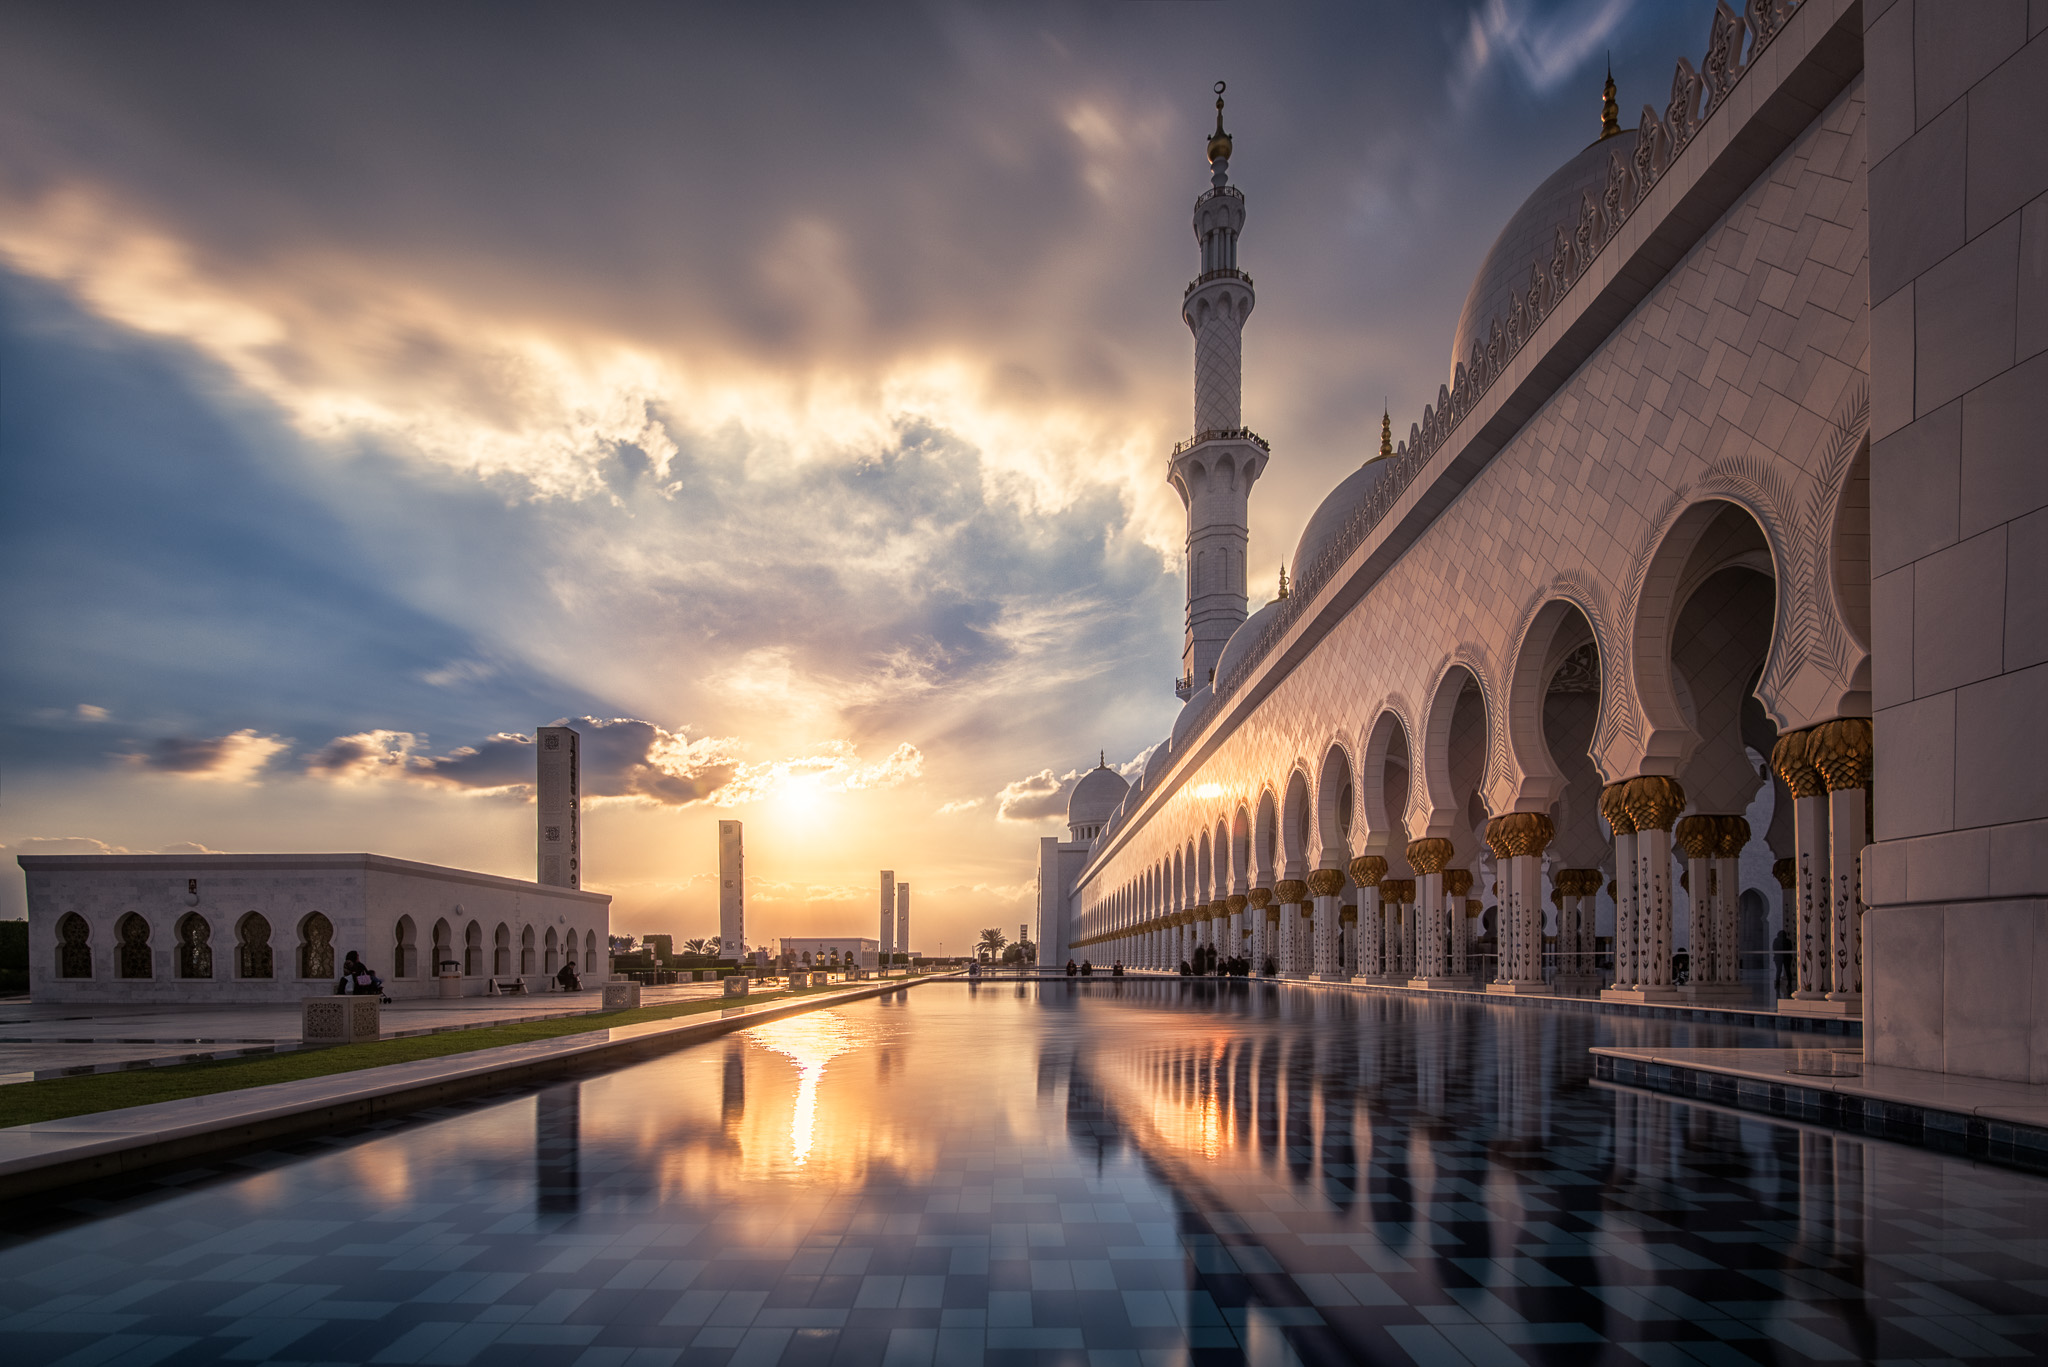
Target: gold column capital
1235 903
1841 750
1290 890
1457 882
1698 836
1261 897
1794 766
1429 854
1519 833
1654 801
1326 882
1734 834
1367 870
1614 806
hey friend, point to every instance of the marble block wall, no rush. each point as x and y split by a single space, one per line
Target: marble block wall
1956 938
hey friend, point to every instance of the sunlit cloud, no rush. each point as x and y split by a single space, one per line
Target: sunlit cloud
1544 50
953 808
235 758
621 758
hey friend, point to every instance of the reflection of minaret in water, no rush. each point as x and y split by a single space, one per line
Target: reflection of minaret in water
1213 471
732 1100
558 1150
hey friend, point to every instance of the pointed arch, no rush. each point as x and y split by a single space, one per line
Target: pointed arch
1297 824
1336 807
1240 851
1384 785
254 957
1266 840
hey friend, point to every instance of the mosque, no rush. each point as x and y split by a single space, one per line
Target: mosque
1694 610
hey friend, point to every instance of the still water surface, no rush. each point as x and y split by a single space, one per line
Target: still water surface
1104 1173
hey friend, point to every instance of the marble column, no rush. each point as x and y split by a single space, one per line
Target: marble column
1841 750
1802 778
1261 901
1698 836
1428 857
1347 942
1614 807
1654 802
1401 963
1733 836
1326 886
1292 894
1367 870
1458 882
1518 840
1234 927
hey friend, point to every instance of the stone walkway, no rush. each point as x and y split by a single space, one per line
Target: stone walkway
51 1038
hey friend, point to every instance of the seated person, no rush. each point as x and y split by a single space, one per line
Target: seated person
567 978
1072 968
356 977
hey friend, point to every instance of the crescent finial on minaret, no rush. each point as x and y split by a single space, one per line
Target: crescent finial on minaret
1219 144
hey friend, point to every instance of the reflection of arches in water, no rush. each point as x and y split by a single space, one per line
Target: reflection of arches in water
732 1099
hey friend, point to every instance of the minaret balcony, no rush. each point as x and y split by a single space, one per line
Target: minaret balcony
1224 273
1244 434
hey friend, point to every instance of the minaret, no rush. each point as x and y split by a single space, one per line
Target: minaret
1214 470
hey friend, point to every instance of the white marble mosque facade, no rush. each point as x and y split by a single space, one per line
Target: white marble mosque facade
1593 647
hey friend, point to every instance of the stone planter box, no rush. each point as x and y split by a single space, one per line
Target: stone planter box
340 1020
620 997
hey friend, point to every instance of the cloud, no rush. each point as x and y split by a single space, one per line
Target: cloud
617 758
62 844
965 804
233 758
89 712
1036 797
1543 50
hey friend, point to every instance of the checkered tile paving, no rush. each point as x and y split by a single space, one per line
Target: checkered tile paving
1110 1173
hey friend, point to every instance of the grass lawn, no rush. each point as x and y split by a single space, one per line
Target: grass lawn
57 1097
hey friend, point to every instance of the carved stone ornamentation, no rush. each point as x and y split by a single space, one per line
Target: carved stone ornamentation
1326 882
1398 890
1290 890
1236 903
1367 870
1457 882
1786 871
1261 897
1734 834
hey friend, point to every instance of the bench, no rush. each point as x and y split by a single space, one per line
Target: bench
506 986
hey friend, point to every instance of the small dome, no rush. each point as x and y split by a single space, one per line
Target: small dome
1155 765
1100 792
1326 525
1530 236
1239 647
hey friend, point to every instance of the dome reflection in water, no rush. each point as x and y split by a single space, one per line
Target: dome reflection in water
1041 1172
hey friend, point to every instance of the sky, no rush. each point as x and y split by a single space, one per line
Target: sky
778 393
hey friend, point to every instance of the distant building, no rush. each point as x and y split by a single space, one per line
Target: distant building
830 952
274 927
888 944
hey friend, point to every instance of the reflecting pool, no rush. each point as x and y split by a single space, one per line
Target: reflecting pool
1108 1172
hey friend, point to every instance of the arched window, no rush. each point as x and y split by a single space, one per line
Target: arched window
74 946
316 947
195 946
554 957
444 948
501 951
590 951
525 950
473 950
404 955
252 947
131 947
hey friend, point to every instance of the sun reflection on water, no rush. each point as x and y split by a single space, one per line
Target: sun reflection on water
810 1041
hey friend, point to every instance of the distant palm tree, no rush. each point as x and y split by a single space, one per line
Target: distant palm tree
713 945
992 942
700 945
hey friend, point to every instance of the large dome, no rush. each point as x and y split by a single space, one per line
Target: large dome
1100 792
1326 526
1530 236
1239 646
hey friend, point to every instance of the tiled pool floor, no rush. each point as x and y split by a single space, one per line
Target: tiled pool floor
1133 1173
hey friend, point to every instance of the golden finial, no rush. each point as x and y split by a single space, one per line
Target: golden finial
1219 141
1283 581
1386 433
1610 112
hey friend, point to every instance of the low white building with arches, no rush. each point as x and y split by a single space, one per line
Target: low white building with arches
1590 653
219 928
